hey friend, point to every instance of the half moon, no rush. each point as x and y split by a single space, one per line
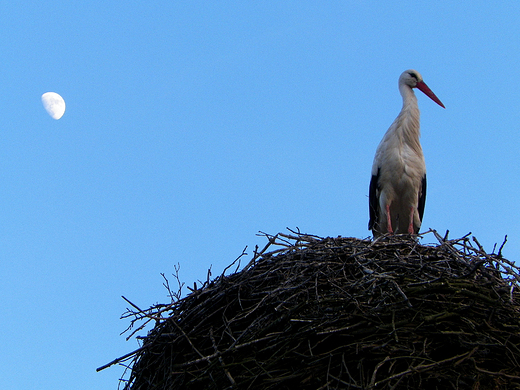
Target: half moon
54 104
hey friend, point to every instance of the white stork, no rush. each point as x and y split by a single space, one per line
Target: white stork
398 186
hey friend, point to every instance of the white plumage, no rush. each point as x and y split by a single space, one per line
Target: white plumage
398 185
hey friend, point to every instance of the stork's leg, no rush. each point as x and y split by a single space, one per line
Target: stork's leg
389 220
410 226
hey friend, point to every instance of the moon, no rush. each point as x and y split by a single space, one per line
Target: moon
53 104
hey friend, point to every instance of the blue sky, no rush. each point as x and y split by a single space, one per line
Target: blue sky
191 126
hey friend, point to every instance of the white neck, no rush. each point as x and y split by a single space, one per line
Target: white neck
409 114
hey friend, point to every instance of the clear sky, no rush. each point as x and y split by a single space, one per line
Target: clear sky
191 126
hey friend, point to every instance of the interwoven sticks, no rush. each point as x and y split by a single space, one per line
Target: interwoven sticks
341 313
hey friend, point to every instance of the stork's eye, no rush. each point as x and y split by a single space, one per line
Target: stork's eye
413 75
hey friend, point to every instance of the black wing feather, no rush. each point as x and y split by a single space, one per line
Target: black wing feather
373 202
422 198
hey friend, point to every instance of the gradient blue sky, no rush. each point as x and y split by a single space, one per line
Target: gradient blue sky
191 126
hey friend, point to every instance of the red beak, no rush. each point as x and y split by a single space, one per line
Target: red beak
428 92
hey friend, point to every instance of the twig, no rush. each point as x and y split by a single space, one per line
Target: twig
422 368
244 253
122 358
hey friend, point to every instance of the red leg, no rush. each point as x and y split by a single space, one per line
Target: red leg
410 226
389 220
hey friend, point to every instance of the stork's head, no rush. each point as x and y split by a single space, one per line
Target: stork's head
410 77
413 79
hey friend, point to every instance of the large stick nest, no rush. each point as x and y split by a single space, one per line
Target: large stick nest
341 313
